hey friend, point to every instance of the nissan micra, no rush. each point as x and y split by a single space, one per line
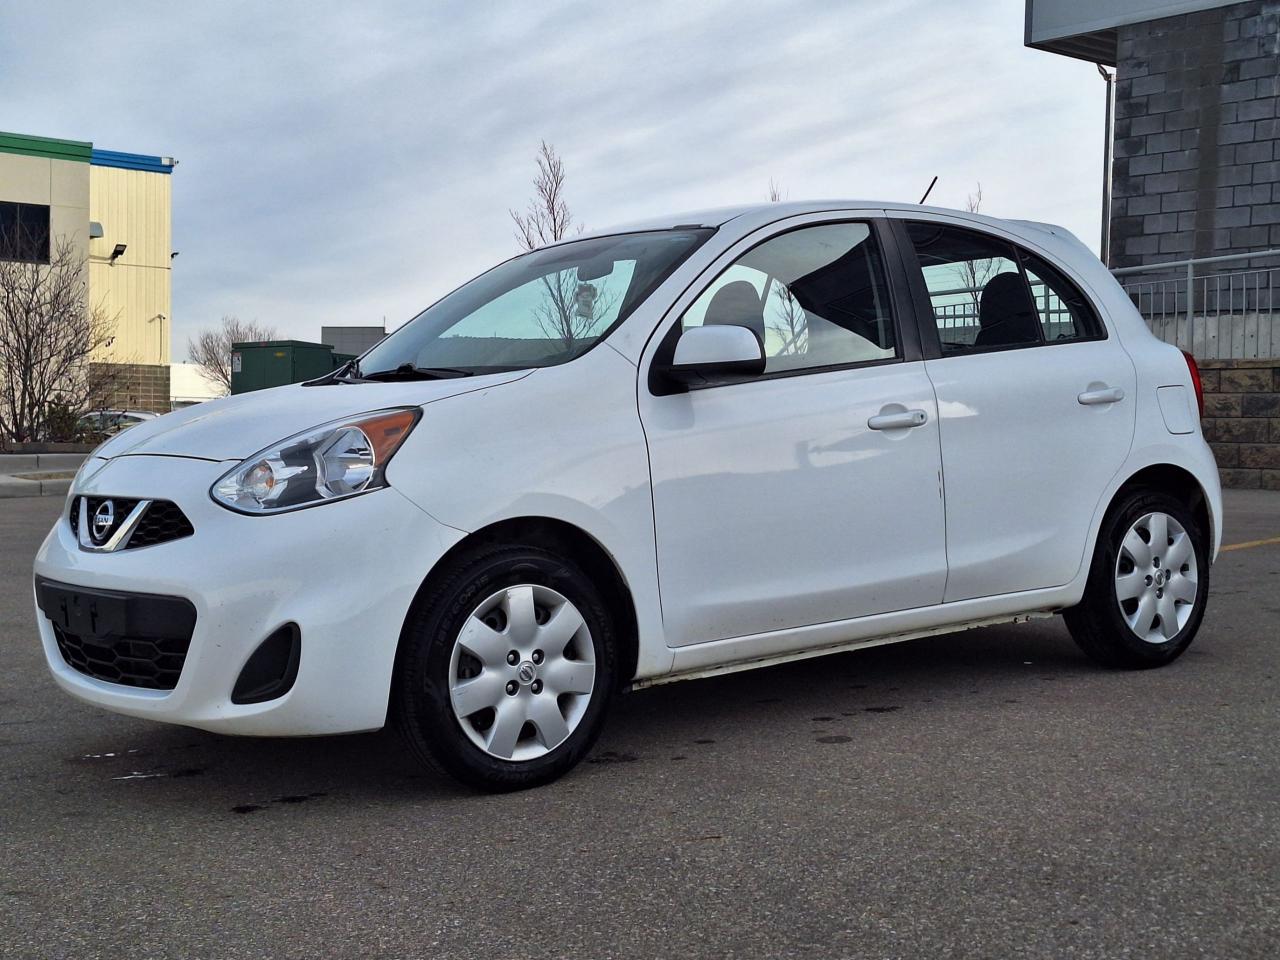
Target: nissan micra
700 444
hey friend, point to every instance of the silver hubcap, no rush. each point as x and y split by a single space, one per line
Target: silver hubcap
1156 577
521 672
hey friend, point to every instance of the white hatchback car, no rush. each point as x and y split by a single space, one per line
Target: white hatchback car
695 445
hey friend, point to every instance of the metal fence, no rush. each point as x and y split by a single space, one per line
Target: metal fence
955 311
1215 307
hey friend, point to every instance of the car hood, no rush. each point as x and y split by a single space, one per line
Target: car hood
234 428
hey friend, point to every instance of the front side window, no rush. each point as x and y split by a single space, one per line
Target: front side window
816 297
987 294
24 232
537 310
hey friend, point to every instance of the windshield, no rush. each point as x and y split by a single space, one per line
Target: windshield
538 309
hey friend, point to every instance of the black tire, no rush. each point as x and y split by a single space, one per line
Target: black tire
1097 624
421 706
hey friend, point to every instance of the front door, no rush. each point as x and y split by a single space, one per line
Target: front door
812 492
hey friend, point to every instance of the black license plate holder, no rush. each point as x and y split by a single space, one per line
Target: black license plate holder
96 615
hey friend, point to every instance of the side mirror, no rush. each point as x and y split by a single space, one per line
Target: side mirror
718 350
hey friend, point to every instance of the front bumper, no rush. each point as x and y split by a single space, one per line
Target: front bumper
345 573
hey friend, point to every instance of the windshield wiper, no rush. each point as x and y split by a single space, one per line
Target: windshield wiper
349 372
407 371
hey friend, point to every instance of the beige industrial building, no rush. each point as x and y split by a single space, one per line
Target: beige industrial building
115 209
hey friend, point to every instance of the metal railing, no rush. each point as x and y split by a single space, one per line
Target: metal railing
1232 314
957 320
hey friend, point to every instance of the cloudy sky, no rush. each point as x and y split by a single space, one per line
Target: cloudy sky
341 163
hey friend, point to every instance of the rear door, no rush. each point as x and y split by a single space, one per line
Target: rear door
1035 403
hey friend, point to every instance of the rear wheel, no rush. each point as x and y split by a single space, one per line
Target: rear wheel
507 669
1148 584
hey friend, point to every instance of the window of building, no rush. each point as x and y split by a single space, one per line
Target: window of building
816 297
24 232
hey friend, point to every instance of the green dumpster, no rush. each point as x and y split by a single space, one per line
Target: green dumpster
273 363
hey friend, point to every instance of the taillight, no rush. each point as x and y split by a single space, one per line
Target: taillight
1195 381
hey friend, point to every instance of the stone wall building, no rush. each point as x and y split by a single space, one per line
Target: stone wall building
1195 174
1197 135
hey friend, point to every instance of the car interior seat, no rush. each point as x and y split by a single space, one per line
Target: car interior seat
1006 313
737 303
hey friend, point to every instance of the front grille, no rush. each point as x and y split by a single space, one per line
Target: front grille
162 522
153 664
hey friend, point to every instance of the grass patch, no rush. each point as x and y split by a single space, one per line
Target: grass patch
52 475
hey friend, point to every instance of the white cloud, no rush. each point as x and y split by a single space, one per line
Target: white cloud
343 163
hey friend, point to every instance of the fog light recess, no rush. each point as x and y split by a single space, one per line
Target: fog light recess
271 670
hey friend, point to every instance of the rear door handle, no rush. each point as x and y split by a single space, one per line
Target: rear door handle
899 420
1103 395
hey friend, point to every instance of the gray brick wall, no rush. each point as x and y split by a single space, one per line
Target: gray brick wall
1242 420
1197 138
132 386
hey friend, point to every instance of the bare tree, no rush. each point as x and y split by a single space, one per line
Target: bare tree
788 322
973 202
974 274
570 310
547 218
48 335
211 349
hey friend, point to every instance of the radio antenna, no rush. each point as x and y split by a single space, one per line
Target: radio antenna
930 190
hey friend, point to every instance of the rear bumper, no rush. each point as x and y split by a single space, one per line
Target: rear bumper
344 573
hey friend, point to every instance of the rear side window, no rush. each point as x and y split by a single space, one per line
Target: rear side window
987 294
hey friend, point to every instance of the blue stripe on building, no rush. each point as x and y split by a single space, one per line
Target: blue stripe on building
131 161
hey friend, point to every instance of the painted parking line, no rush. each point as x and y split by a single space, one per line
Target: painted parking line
1250 543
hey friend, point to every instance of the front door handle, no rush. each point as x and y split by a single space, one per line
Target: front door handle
1101 395
898 420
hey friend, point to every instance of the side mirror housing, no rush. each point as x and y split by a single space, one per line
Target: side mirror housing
719 350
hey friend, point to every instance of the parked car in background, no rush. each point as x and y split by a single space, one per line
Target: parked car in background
705 443
107 423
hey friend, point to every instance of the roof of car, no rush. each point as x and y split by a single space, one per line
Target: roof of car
719 216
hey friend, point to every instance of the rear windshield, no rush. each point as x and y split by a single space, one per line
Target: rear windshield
539 309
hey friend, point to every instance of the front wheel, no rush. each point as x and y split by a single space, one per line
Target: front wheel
1148 584
507 669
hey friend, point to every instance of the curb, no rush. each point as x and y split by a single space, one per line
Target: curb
12 487
15 487
11 463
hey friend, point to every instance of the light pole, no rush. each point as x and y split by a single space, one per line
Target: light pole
1107 141
159 335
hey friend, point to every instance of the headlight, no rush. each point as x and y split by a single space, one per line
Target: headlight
329 462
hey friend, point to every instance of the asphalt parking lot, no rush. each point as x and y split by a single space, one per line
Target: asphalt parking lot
986 794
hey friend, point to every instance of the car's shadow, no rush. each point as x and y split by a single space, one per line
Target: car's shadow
240 775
